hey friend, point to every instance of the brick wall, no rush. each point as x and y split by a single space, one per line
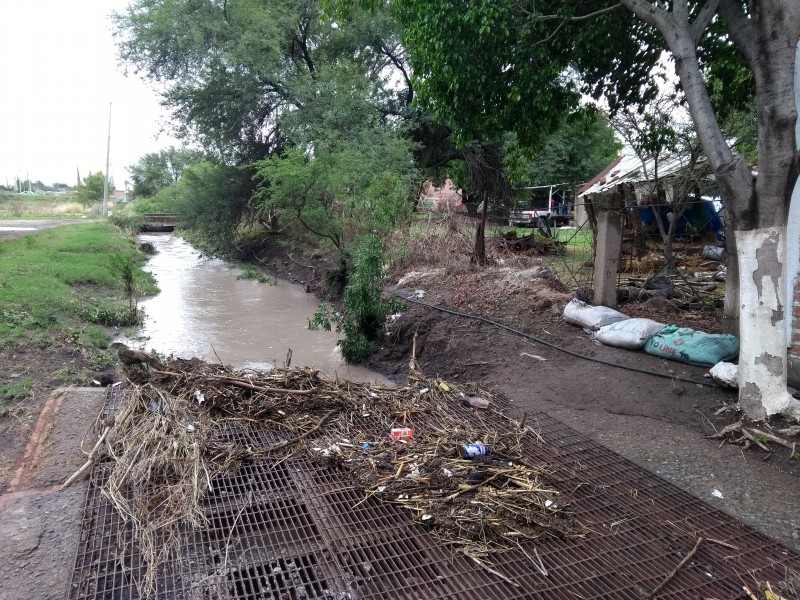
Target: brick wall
794 349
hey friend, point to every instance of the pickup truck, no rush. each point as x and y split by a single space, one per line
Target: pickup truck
529 218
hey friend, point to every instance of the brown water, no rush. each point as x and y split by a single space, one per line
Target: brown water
204 311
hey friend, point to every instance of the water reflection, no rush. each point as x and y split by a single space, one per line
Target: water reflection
203 310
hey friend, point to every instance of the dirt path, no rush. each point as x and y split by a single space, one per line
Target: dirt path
659 423
12 228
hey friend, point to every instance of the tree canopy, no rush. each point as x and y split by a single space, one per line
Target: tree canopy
230 70
158 170
91 189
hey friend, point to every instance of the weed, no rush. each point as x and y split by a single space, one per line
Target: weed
363 321
15 390
796 455
96 337
250 273
67 376
763 439
110 314
101 361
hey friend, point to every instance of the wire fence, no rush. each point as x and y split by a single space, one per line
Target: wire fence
669 250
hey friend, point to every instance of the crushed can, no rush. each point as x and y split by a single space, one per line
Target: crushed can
474 450
404 434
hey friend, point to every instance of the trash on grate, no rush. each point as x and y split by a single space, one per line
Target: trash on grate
163 468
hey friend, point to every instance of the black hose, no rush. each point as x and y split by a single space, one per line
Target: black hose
554 346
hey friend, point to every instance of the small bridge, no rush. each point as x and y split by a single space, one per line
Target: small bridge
159 222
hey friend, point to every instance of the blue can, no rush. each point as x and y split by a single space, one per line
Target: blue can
475 450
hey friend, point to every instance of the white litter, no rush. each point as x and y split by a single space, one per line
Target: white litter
717 494
726 373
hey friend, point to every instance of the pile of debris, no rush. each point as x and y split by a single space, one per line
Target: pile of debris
443 451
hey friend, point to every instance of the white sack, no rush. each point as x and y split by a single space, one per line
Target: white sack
591 317
630 333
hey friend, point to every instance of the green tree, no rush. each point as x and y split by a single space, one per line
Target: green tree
574 153
90 190
158 170
211 199
228 70
490 65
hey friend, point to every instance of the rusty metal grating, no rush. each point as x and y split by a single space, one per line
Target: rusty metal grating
297 529
115 398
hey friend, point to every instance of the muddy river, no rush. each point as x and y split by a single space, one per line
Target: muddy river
203 310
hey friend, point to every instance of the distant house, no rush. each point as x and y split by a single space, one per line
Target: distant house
445 199
119 196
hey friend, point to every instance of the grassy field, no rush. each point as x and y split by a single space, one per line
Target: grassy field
62 293
45 206
66 276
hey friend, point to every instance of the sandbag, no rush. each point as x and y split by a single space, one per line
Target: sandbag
692 347
630 333
591 317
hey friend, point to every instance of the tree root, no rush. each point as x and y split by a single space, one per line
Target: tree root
737 433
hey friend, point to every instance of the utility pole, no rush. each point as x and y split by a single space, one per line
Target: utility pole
108 155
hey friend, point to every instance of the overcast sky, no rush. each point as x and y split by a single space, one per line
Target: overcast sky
58 73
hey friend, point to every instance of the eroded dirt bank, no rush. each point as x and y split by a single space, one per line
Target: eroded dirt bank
652 415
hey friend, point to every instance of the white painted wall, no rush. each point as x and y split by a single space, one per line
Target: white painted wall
793 229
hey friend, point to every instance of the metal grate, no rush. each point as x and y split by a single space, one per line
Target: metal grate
115 398
297 529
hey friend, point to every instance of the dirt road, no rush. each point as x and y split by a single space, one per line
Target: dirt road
13 228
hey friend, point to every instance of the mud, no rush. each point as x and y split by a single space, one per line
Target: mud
646 409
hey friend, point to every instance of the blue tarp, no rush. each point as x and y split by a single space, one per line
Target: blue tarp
700 217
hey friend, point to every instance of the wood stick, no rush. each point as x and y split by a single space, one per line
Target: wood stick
492 571
771 437
89 460
669 577
268 390
471 488
755 440
303 435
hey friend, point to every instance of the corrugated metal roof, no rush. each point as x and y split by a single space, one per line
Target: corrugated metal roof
631 170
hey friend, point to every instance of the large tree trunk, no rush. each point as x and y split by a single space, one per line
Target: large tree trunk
767 37
762 359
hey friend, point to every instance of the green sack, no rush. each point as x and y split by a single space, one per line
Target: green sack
692 347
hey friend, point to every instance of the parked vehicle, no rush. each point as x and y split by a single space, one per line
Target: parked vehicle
548 205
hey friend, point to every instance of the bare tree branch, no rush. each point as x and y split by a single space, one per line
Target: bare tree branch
590 15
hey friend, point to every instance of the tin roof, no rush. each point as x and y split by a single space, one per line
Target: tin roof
629 169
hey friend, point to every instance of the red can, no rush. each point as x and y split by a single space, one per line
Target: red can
401 433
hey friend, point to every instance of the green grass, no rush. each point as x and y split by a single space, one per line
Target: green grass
65 273
16 390
249 272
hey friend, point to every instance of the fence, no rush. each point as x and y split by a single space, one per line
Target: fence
677 257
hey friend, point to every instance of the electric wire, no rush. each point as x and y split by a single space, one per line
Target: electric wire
555 346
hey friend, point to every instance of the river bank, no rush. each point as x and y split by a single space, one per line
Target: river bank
657 422
645 409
